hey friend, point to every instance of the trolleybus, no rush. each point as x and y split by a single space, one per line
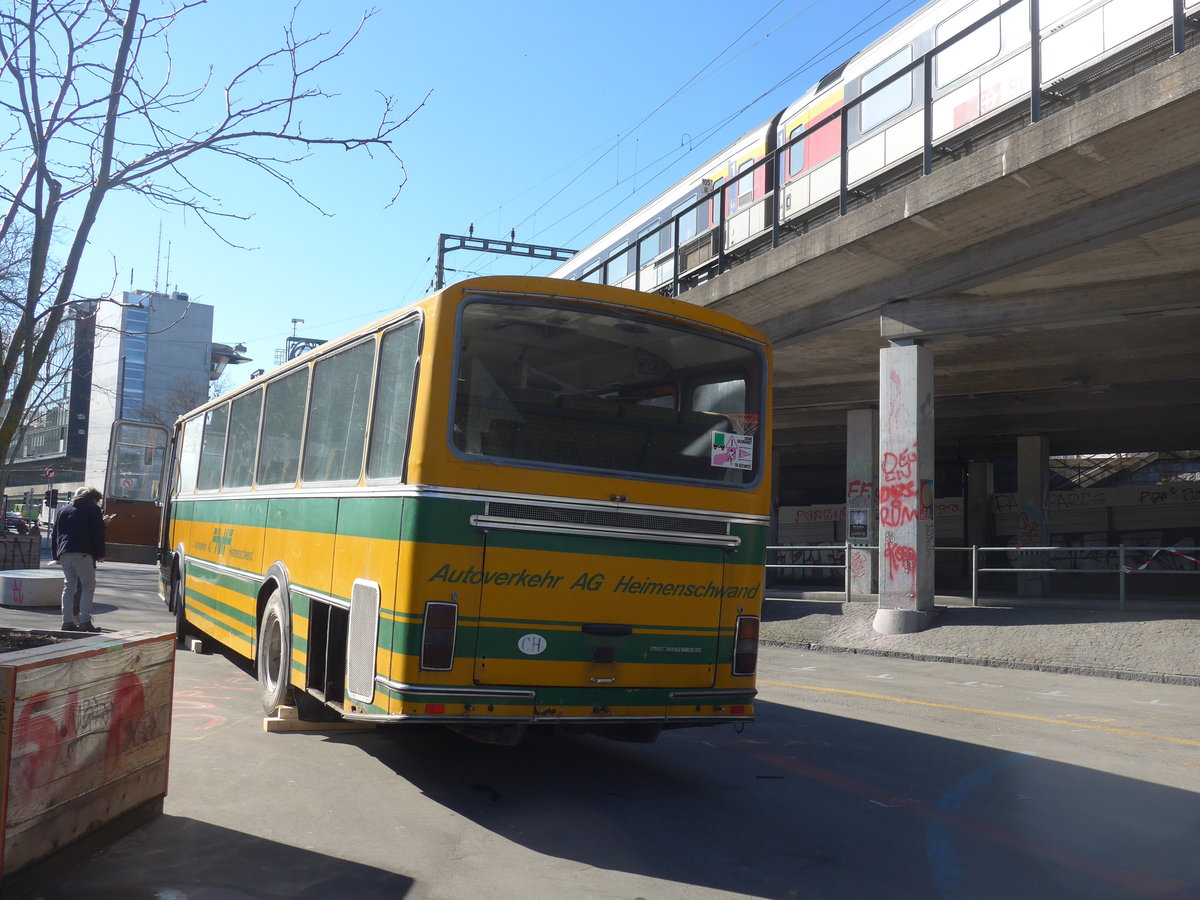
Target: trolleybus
520 502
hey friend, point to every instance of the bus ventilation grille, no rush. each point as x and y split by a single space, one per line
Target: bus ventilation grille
362 640
609 518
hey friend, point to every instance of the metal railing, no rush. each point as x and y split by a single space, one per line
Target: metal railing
1128 561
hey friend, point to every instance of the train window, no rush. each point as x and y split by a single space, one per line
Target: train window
796 153
655 244
745 185
973 50
688 222
893 99
712 209
618 266
1050 11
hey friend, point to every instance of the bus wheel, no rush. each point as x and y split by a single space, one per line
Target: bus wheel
177 601
274 657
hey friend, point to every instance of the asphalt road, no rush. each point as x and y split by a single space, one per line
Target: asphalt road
864 777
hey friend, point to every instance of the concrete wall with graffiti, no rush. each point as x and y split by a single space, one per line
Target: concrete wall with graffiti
1160 517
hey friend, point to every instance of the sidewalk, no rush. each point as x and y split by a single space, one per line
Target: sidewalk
1149 641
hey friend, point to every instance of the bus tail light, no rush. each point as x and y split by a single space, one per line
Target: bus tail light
745 646
437 637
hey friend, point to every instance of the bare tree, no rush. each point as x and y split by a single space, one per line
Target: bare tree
76 81
44 426
186 396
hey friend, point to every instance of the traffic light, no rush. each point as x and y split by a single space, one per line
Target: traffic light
52 498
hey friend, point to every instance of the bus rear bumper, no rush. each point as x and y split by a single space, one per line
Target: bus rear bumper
586 709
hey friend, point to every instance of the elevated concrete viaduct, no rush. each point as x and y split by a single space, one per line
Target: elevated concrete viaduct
1051 281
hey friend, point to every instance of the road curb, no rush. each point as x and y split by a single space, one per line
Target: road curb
1055 668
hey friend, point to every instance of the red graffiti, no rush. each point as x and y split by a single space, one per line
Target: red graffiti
899 467
46 745
199 705
820 514
897 408
127 719
1029 530
891 493
42 745
896 513
900 558
898 493
858 563
859 489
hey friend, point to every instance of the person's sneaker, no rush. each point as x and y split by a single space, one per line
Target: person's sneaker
69 626
89 626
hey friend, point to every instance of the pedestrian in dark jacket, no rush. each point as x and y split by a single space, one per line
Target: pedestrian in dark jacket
77 542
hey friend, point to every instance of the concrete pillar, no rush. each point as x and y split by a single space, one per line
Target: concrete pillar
980 515
1033 521
862 520
906 466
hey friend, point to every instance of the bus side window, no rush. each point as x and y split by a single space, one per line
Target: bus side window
337 415
398 355
212 450
243 440
283 422
189 455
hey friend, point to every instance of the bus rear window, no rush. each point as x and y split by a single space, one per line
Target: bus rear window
573 387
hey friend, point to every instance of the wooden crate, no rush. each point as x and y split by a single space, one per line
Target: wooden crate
84 738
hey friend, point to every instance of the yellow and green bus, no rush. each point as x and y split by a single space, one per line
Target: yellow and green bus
520 502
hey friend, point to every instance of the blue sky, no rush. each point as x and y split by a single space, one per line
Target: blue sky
551 118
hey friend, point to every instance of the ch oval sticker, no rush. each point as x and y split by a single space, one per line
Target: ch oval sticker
531 644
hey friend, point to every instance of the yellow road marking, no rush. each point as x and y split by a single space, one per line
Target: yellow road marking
986 712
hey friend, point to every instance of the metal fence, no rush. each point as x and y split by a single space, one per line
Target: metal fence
1129 561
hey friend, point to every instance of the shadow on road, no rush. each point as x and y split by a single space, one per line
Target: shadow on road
811 804
174 857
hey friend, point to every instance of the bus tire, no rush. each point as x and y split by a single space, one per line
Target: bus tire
178 601
274 655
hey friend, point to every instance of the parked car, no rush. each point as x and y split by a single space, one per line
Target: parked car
15 524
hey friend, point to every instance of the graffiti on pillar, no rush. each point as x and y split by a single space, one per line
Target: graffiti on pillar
859 489
898 411
1029 527
898 494
900 558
